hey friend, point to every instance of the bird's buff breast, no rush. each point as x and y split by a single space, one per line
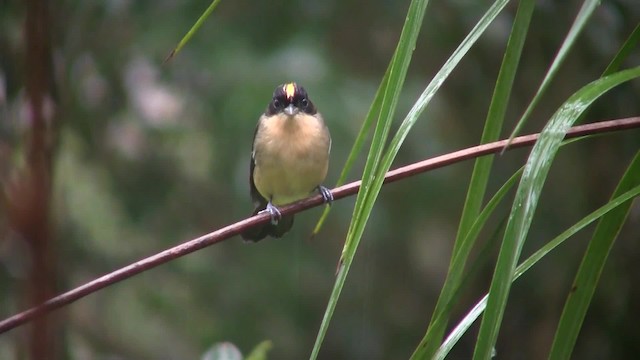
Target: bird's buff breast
291 157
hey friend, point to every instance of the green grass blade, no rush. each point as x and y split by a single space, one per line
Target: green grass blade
495 115
193 30
586 221
479 179
526 201
482 218
424 99
567 332
260 351
397 74
483 257
371 188
374 112
434 86
625 50
477 310
440 319
591 267
587 9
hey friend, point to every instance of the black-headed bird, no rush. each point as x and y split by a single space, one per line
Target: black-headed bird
289 159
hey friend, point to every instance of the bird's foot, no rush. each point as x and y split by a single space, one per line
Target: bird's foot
273 212
326 194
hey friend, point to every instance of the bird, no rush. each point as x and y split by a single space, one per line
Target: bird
289 158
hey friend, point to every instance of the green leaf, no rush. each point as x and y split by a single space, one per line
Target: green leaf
397 73
424 99
374 111
477 310
600 245
625 50
260 351
526 201
439 320
591 267
371 185
587 9
479 179
193 30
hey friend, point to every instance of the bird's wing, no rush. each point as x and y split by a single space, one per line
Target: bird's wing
259 201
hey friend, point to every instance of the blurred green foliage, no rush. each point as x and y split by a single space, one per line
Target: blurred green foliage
151 155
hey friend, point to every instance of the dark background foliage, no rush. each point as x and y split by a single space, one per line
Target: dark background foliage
150 155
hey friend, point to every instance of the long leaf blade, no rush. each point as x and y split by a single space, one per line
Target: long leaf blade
466 322
440 319
479 179
526 201
587 9
193 30
372 186
372 114
397 74
591 267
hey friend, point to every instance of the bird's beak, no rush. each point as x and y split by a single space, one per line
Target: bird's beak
291 110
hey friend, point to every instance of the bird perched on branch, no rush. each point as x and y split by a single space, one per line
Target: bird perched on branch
289 159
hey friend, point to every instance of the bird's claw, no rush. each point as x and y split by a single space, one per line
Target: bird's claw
273 212
327 196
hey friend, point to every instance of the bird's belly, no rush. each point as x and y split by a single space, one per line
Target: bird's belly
286 175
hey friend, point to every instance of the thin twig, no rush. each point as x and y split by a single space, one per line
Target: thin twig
338 193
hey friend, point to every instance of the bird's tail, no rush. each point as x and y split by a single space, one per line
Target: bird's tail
258 233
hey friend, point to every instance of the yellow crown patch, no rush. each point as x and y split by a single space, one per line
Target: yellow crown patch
289 90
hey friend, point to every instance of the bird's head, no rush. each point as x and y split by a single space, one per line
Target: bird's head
290 99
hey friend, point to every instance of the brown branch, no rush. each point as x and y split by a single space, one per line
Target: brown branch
338 193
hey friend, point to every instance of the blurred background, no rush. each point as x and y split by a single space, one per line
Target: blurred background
141 156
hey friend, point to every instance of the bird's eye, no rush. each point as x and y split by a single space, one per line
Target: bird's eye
277 103
304 102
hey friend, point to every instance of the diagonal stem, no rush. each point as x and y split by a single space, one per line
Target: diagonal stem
338 193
